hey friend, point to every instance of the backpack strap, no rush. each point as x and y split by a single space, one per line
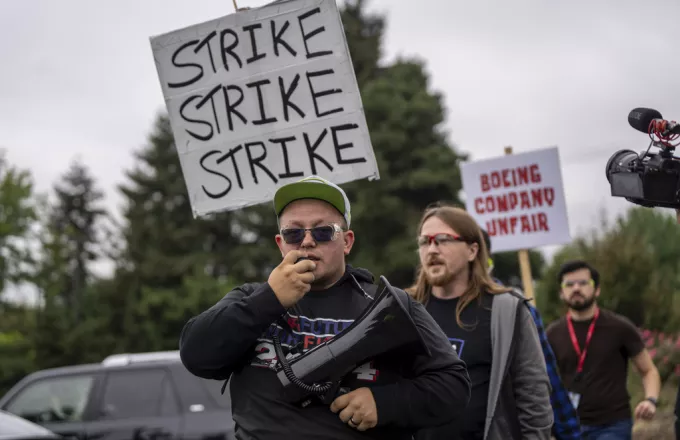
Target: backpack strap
519 295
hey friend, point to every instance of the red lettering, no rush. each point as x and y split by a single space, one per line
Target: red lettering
294 323
526 227
526 202
490 204
549 195
535 198
506 179
485 183
523 175
512 225
511 177
535 174
308 341
495 179
543 222
478 205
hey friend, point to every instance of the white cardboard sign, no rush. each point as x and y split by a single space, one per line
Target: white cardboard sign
519 199
260 98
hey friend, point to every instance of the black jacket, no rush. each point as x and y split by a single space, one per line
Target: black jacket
233 340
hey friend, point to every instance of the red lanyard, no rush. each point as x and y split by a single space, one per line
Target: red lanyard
574 341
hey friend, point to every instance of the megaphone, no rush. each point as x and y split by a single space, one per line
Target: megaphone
384 325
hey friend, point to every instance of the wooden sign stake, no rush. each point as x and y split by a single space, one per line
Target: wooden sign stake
525 264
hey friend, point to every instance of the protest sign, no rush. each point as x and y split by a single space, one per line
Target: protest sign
262 97
519 199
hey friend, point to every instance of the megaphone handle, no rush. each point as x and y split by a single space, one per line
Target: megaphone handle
314 388
333 393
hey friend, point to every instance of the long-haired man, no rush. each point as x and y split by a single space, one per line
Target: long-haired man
489 326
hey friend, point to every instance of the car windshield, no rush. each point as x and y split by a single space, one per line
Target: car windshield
12 427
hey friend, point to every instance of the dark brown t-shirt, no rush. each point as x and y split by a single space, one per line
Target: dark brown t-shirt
602 386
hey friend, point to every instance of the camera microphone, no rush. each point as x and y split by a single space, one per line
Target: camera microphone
648 179
648 120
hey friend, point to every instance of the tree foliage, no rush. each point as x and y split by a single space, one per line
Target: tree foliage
70 245
17 216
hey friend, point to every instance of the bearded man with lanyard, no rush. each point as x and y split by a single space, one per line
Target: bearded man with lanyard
593 346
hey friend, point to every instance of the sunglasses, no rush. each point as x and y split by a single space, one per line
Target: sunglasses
426 240
581 283
319 234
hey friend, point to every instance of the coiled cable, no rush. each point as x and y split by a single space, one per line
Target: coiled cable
314 388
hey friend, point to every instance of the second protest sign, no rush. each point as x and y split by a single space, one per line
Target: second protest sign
519 199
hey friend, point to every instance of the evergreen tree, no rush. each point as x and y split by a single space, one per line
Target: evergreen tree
70 243
166 249
75 220
363 33
17 216
163 241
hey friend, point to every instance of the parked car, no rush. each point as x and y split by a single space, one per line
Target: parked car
15 428
144 396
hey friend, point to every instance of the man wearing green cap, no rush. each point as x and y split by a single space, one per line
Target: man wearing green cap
312 295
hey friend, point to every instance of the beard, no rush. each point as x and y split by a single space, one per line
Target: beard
581 305
440 275
441 278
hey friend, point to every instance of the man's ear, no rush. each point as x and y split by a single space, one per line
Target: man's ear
279 242
473 250
348 238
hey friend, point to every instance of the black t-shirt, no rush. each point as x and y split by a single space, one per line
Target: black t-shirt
255 390
473 344
604 397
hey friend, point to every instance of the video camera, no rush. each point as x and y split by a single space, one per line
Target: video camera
648 179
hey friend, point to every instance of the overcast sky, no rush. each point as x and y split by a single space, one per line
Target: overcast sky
78 79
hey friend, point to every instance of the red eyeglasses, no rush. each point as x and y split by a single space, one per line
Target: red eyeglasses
426 240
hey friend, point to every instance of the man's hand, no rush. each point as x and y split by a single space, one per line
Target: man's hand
645 410
357 409
290 281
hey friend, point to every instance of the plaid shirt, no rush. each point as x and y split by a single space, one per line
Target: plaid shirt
566 424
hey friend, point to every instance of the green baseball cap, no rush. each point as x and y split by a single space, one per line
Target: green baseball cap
313 187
